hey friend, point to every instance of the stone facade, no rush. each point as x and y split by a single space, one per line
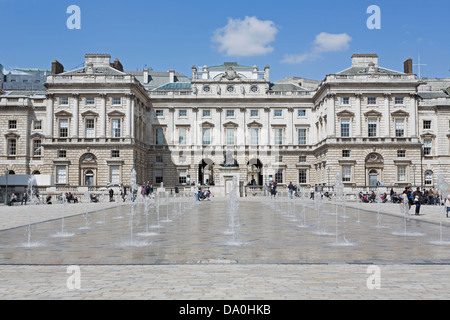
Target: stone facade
96 123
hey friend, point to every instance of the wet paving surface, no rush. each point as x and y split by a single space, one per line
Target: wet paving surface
265 232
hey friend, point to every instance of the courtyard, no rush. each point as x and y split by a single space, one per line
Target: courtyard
252 248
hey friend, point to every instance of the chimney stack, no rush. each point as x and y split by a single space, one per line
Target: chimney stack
117 65
171 76
408 66
57 67
145 75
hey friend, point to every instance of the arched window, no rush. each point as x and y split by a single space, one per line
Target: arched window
373 177
428 178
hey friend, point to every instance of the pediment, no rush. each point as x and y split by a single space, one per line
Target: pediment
89 113
230 124
400 113
254 123
373 113
207 124
116 113
62 114
345 113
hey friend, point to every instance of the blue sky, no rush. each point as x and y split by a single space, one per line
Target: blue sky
295 38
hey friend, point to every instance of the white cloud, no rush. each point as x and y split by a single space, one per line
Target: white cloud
248 37
324 42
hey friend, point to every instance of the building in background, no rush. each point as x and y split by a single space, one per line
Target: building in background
92 125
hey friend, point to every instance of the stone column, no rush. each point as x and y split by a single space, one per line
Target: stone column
50 113
75 124
132 120
358 114
128 116
413 119
102 118
387 114
331 116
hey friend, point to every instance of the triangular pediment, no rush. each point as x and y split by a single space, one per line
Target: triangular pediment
89 113
400 113
372 113
230 124
207 124
116 113
345 113
62 114
254 123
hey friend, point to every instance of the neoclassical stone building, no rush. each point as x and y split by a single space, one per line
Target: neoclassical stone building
92 125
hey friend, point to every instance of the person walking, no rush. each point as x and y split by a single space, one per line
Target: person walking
291 189
111 195
311 192
417 200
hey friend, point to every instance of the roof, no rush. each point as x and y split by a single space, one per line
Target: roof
365 70
157 79
285 87
97 70
175 86
433 94
235 66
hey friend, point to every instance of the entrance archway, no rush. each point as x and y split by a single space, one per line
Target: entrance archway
206 172
255 172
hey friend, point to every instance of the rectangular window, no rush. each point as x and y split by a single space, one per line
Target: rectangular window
279 159
277 113
345 153
345 100
302 176
115 127
301 136
346 173
90 101
401 153
115 153
12 124
61 174
279 136
64 101
158 176
182 159
301 113
206 113
230 113
427 124
62 153
254 136
302 159
398 100
37 150
63 128
345 127
116 101
372 128
428 178
159 159
114 174
230 136
279 176
159 113
37 125
371 100
12 147
90 128
182 136
401 173
254 113
182 113
159 136
427 144
399 127
182 176
206 136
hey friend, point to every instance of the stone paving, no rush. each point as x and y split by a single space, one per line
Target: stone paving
190 258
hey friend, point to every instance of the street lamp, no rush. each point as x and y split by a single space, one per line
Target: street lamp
414 169
328 174
6 189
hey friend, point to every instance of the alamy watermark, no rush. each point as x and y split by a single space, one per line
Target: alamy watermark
374 21
74 20
374 280
74 280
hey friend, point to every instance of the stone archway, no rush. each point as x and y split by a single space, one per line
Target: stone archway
255 172
88 170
